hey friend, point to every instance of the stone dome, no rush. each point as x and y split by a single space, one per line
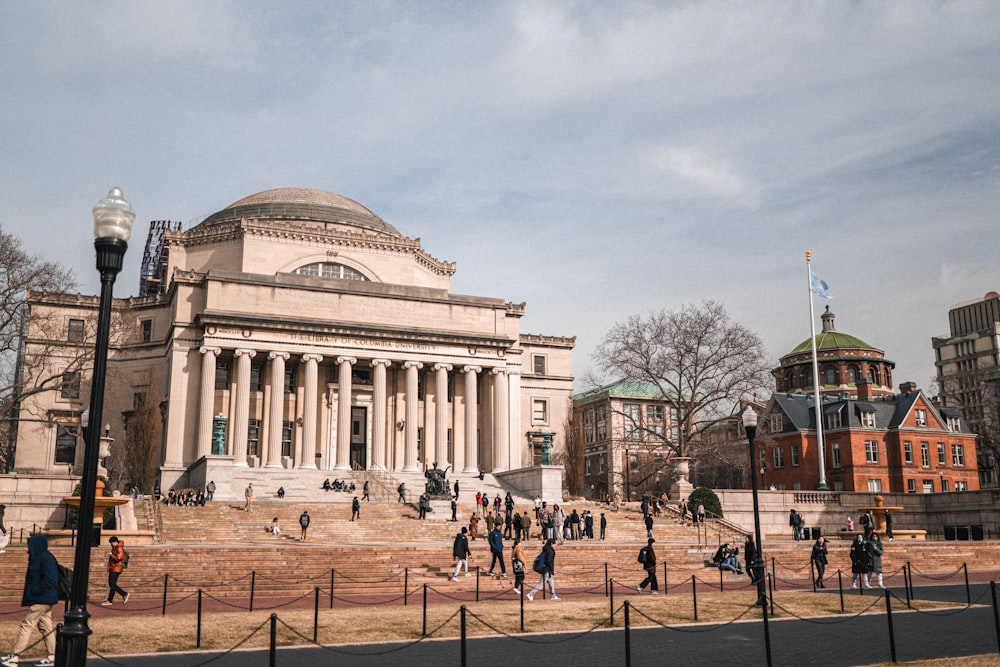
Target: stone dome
302 204
831 339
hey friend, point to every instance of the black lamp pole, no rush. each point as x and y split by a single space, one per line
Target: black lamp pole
113 218
750 424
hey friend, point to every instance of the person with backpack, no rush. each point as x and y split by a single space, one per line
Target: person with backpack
517 564
304 521
116 565
647 557
41 581
545 566
868 522
461 553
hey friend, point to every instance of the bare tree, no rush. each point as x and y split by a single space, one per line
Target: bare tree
976 394
572 457
140 456
21 275
701 361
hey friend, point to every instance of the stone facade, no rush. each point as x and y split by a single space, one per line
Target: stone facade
322 338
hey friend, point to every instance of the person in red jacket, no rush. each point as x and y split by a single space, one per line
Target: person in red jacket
116 563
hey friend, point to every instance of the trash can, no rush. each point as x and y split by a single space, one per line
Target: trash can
949 533
95 535
817 532
977 531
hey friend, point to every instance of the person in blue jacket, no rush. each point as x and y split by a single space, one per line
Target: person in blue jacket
495 538
41 581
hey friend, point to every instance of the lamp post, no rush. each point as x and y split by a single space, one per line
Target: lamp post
628 477
113 217
750 425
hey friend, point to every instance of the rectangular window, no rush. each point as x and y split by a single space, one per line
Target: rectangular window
633 421
911 486
920 416
286 438
586 464
868 420
838 485
66 439
779 457
907 451
958 456
602 423
871 451
75 333
833 420
874 486
794 454
147 330
954 425
927 486
654 413
538 362
925 454
70 385
539 411
221 374
835 454
253 437
777 424
961 486
944 485
942 457
257 376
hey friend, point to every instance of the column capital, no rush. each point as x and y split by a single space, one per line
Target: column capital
412 364
309 356
381 362
472 369
239 352
347 360
208 349
442 367
498 371
275 354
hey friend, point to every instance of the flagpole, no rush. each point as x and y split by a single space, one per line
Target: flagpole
819 400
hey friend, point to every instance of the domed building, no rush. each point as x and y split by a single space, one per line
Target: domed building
843 360
295 336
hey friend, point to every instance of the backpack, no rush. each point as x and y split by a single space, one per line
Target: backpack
539 564
64 582
125 559
864 520
642 555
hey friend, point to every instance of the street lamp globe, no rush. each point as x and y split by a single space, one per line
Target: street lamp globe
113 217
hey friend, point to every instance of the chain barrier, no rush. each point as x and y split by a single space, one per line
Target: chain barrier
361 603
800 568
934 577
449 596
395 649
696 629
214 583
391 577
534 640
834 621
948 612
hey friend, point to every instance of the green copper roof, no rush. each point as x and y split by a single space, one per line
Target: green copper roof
832 340
624 389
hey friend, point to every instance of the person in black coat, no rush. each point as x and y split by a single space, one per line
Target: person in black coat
548 571
861 562
819 561
874 544
461 553
41 593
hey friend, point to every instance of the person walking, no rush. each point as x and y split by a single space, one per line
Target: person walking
548 570
604 525
818 558
875 550
647 556
364 492
454 508
355 509
648 520
795 521
461 553
526 525
588 525
479 503
701 512
248 496
456 489
422 505
860 562
116 565
304 521
888 525
40 594
495 539
401 493
517 564
508 525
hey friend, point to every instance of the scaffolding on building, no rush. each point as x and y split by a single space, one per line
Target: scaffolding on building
154 258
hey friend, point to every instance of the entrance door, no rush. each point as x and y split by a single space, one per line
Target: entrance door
359 438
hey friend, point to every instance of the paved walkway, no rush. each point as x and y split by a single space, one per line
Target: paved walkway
831 641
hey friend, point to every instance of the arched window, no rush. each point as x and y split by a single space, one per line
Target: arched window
831 376
790 381
852 374
330 270
809 379
873 375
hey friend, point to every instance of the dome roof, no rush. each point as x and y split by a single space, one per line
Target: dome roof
303 204
831 339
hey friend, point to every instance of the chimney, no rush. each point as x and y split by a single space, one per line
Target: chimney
864 389
907 387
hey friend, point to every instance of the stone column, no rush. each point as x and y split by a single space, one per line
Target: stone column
206 400
514 418
241 416
410 432
471 419
344 412
277 403
310 389
501 434
441 414
378 414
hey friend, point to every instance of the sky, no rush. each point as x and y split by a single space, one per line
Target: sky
594 160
